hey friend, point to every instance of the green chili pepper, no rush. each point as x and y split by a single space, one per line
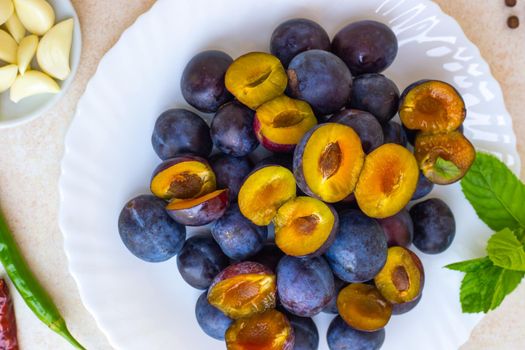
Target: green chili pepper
27 285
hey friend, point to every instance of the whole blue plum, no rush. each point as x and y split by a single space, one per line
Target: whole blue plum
237 236
341 336
181 131
211 320
232 130
230 172
296 35
200 260
148 231
304 285
320 78
375 94
202 82
360 248
306 333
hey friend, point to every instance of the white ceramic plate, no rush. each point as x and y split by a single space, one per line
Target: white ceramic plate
109 159
12 114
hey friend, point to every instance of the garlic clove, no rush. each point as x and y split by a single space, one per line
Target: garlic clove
26 52
15 27
32 83
7 76
8 47
37 16
54 49
6 10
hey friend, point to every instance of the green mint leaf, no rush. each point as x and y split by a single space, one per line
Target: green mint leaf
506 251
470 265
496 194
485 288
446 169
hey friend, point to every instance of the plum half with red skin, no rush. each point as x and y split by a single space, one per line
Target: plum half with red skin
243 289
199 211
202 83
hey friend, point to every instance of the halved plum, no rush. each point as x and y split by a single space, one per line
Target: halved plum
256 78
327 162
243 289
281 123
270 330
444 158
199 211
363 307
305 226
387 182
432 106
402 278
264 191
183 177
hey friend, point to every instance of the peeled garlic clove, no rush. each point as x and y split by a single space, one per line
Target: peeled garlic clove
26 52
15 27
8 47
32 83
7 76
6 10
54 48
37 16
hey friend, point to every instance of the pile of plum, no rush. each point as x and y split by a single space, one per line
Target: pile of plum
334 190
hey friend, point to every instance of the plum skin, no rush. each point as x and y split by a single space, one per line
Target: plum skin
364 124
211 320
424 187
399 229
403 308
331 308
181 131
269 256
200 260
202 82
434 226
375 94
148 232
237 236
305 331
297 35
366 46
204 212
304 285
341 336
394 133
321 79
232 130
230 172
360 249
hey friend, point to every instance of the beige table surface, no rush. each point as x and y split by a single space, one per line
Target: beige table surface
30 165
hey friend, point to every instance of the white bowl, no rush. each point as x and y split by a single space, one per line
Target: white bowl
12 114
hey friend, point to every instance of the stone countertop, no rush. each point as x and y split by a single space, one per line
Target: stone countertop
30 158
